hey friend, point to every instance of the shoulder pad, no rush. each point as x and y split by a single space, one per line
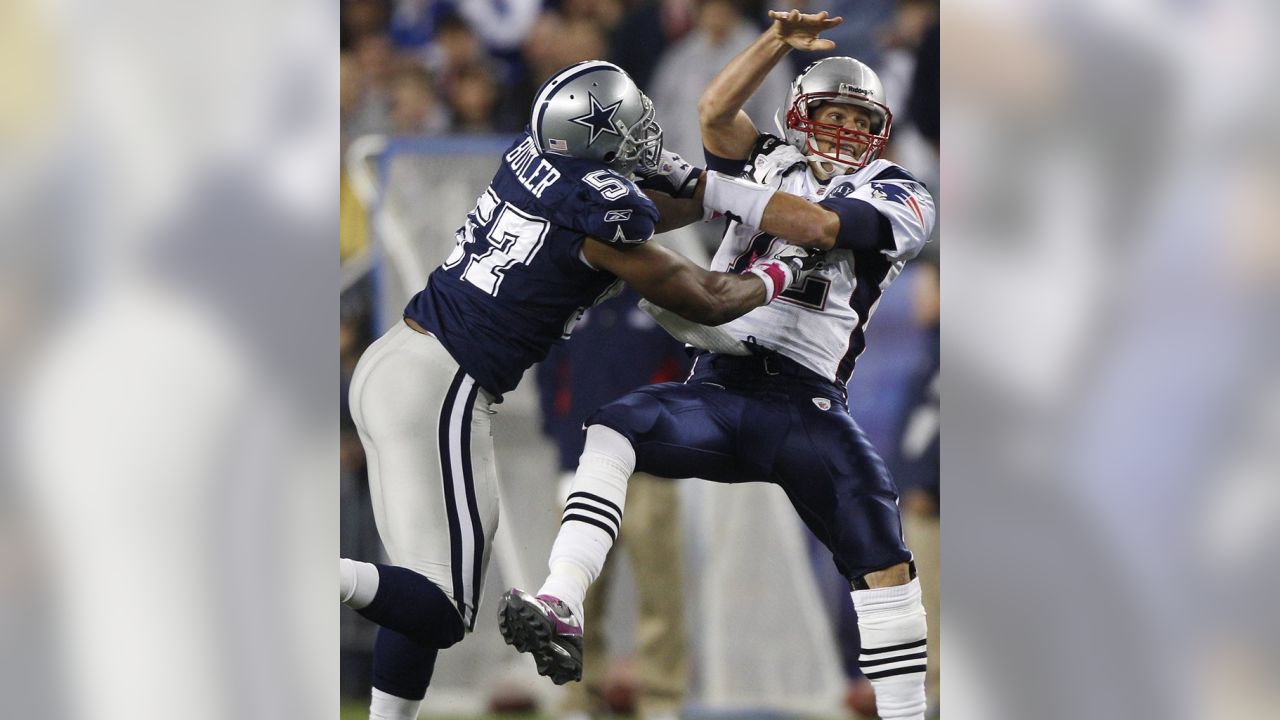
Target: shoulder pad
612 209
892 171
765 144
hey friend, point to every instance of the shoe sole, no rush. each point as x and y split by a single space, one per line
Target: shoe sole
525 627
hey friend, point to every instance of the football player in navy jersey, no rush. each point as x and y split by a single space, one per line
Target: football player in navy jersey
773 408
560 225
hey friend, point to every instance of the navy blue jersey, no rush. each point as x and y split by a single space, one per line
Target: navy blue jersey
516 283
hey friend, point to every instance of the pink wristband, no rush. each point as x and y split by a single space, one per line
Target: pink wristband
774 276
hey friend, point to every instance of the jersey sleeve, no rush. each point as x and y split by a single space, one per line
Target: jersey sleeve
863 228
727 166
897 197
612 209
769 160
764 142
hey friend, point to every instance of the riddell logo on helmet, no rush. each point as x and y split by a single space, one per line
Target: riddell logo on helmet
847 89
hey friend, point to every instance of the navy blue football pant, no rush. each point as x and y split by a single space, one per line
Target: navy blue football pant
733 421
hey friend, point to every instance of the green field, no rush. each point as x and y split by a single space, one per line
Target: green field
360 711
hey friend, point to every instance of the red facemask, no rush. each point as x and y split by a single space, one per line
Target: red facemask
845 141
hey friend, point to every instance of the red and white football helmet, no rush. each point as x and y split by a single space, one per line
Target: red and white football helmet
839 80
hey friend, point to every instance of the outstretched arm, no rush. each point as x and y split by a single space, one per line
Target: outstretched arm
787 216
727 131
855 226
712 298
675 213
672 281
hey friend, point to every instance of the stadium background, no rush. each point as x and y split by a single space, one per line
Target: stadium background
431 92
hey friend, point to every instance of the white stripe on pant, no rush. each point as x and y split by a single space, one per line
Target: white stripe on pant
426 431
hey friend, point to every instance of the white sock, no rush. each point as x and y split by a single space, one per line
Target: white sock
891 621
358 583
592 516
389 707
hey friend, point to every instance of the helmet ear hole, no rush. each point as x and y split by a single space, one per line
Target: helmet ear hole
609 156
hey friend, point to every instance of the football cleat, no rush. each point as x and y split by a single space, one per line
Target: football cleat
544 627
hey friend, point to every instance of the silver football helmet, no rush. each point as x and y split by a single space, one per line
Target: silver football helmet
593 110
839 80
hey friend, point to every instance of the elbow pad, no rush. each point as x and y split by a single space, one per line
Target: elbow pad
739 197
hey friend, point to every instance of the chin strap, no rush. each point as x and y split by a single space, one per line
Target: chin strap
826 169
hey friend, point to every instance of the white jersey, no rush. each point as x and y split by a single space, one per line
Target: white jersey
821 323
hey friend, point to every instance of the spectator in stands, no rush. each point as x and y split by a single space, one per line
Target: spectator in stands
350 97
361 18
415 107
862 35
582 40
719 33
606 14
899 71
455 48
915 458
554 42
540 47
376 61
474 98
643 34
925 86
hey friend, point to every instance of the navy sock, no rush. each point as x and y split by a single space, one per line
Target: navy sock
401 666
412 605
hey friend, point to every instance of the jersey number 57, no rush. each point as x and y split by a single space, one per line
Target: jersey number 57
514 238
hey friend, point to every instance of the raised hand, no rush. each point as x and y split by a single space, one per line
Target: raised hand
800 30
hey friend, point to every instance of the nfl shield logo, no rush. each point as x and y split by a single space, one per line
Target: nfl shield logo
822 403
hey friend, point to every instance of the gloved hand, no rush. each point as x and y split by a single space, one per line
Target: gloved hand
785 267
803 261
674 176
776 162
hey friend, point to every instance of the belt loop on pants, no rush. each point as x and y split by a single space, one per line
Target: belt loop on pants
771 364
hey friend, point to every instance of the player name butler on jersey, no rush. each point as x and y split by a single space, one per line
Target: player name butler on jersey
821 323
516 282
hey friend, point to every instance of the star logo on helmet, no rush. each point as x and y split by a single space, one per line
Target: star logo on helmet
599 120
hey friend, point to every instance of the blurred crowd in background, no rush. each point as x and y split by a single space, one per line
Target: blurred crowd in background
425 67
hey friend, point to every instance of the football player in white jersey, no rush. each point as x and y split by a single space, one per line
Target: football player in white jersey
770 403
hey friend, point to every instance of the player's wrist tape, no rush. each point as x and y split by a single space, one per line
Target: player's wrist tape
775 275
739 197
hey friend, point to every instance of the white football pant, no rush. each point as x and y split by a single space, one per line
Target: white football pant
428 440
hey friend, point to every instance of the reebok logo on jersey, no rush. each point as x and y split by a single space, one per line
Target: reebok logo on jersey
822 403
617 216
